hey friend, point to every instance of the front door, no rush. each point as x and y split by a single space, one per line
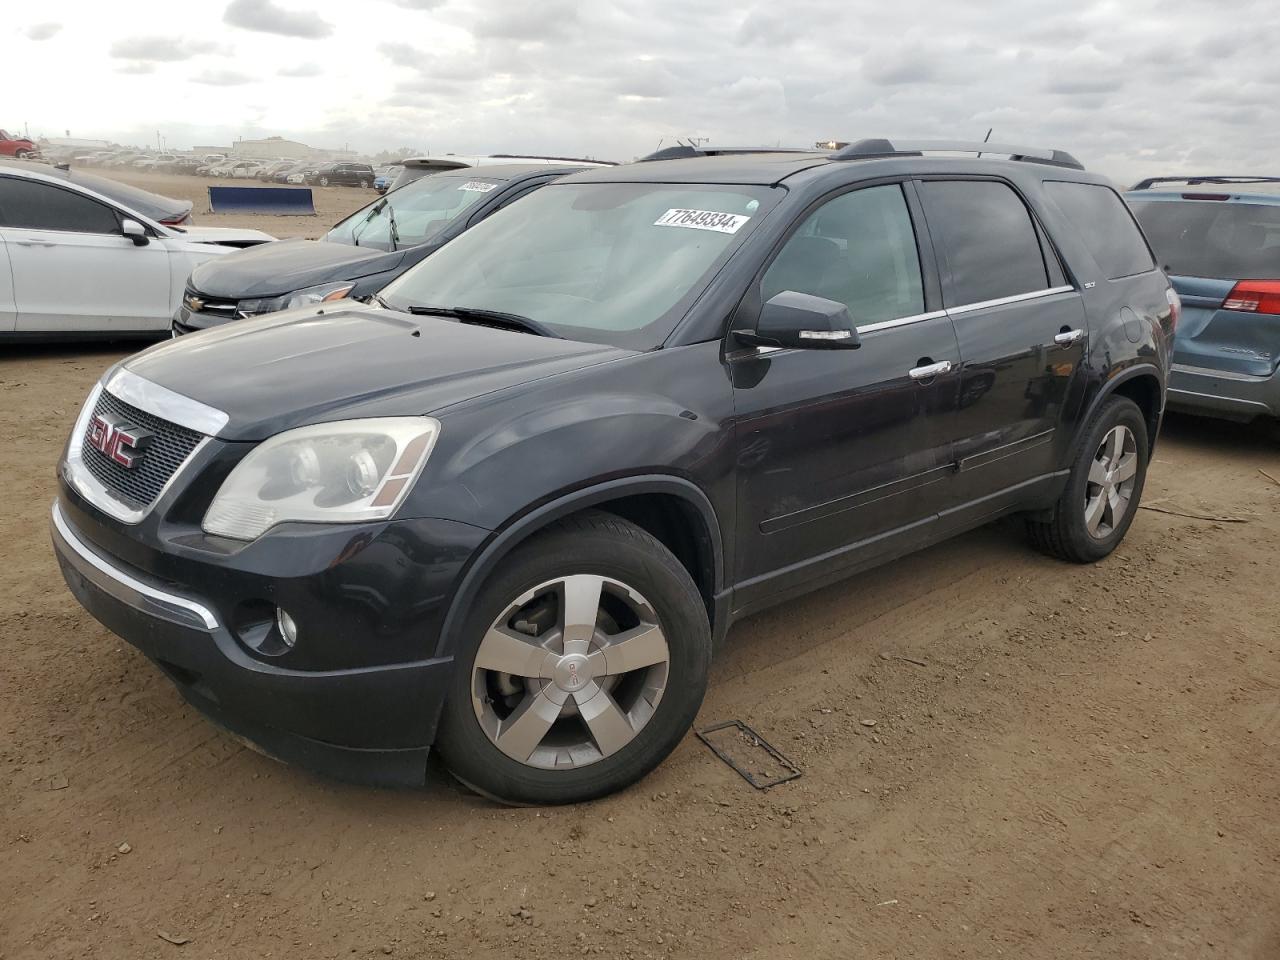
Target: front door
72 268
1022 334
839 458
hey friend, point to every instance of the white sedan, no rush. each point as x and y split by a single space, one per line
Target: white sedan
73 262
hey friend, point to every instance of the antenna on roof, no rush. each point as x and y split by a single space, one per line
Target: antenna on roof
987 138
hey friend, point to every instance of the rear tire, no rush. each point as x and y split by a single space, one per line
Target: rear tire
1103 489
619 714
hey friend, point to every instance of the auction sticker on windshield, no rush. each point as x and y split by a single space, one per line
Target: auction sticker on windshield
702 220
477 186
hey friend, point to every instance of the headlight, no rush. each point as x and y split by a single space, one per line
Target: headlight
299 298
342 472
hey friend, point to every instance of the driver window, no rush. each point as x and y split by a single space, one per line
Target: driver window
858 249
33 205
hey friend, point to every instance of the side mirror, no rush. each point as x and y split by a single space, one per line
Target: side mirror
800 321
135 232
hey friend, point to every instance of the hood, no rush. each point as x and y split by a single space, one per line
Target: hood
222 235
273 269
312 365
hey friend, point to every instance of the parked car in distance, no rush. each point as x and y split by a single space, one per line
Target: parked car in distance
414 168
268 171
341 175
13 145
76 260
282 176
385 176
361 253
507 511
1219 239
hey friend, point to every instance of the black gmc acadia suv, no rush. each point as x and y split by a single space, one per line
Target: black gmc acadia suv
507 510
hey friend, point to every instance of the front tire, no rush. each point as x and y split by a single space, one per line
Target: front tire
22 154
1103 489
581 666
324 181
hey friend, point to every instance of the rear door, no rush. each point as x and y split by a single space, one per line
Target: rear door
1022 334
71 267
1223 257
841 459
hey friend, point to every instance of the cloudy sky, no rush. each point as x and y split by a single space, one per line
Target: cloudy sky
1132 88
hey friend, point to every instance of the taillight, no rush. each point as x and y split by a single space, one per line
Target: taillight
1175 308
1254 296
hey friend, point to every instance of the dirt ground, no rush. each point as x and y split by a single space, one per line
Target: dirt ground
1066 761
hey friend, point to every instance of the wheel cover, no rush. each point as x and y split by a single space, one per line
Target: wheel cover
1113 474
584 686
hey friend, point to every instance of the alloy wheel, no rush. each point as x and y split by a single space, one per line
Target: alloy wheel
1112 477
570 672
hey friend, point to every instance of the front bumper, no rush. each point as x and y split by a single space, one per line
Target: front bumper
370 724
1223 393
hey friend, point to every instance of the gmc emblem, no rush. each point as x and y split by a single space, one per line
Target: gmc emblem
118 440
194 304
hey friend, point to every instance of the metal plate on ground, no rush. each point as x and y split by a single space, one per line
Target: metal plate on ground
756 760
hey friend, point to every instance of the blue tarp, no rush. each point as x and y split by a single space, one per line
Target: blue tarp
274 201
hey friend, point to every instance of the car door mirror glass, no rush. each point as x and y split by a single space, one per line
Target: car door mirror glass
801 321
135 232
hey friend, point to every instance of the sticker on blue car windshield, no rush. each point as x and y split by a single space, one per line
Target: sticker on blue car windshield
702 220
477 186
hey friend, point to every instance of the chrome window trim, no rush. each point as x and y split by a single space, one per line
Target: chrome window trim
900 321
124 580
1016 298
165 403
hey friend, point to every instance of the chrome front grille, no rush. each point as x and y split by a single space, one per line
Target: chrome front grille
168 449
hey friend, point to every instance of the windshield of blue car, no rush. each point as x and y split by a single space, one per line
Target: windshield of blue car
1213 239
616 263
412 215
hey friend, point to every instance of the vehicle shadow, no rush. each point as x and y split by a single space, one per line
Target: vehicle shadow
1260 435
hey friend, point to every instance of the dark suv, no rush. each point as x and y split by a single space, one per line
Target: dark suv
341 175
507 510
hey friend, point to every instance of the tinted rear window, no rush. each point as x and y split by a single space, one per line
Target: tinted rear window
1213 238
1106 225
990 243
42 206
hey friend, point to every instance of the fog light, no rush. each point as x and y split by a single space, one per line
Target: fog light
288 629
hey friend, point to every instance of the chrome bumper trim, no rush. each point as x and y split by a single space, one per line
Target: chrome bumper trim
127 588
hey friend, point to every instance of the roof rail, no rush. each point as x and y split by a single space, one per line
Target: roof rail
878 148
538 156
1150 182
683 150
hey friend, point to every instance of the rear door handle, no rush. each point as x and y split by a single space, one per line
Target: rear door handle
1067 337
32 242
930 370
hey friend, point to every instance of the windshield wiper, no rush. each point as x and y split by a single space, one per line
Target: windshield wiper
394 228
486 318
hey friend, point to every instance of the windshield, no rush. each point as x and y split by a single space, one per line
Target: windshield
615 263
1214 239
411 216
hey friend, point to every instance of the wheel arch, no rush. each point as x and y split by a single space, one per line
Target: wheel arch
1142 384
672 509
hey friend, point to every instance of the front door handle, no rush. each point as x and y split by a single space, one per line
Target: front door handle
1068 337
32 242
930 370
